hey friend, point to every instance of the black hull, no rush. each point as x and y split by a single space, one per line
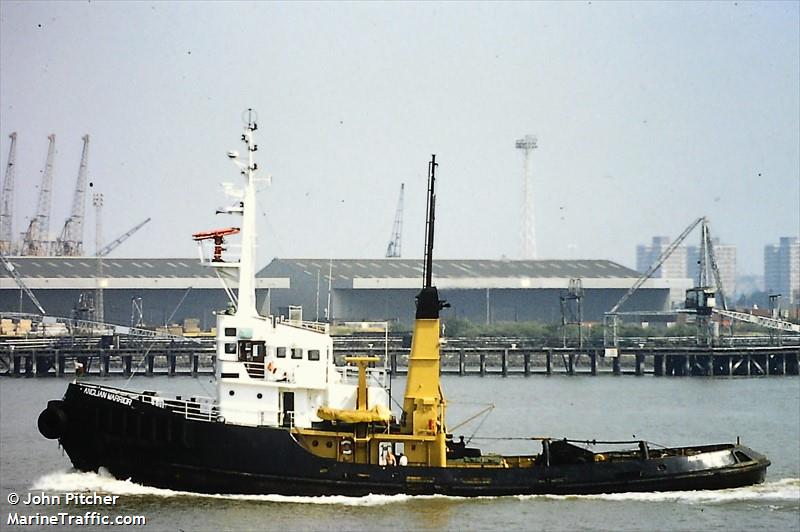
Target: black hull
153 446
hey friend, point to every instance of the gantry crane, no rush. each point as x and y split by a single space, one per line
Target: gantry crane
35 241
7 200
394 249
70 243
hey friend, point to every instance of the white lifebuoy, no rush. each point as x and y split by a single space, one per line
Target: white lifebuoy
346 446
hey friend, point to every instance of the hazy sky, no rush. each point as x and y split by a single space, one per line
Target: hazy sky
648 115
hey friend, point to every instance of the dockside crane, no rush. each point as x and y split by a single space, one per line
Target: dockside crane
708 295
705 300
12 271
35 240
611 318
7 200
394 249
70 243
108 248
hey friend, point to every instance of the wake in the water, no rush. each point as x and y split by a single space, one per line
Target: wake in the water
787 490
76 481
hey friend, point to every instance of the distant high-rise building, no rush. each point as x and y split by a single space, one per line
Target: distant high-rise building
782 269
726 262
673 268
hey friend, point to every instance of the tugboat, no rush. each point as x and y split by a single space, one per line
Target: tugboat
286 420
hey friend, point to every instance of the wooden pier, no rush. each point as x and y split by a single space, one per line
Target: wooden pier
198 358
148 360
659 362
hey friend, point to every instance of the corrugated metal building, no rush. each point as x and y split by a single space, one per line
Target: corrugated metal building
359 289
477 290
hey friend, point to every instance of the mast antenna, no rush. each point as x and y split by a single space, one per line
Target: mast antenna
430 217
428 302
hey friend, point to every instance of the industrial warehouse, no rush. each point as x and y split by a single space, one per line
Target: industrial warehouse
481 291
158 292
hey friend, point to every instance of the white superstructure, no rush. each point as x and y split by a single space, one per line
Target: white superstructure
272 371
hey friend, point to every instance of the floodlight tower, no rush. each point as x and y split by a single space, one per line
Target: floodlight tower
97 202
528 144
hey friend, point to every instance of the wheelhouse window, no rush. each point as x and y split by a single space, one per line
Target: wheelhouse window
280 352
297 352
230 331
230 348
313 354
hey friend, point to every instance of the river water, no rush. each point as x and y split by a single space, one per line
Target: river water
764 412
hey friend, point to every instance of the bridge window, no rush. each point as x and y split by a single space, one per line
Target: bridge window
313 354
230 348
280 352
230 331
297 352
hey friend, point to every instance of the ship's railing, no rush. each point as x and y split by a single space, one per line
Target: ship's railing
198 408
308 325
193 409
202 408
374 375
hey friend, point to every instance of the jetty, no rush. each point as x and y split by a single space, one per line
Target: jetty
177 356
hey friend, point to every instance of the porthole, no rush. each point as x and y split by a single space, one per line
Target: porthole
259 396
315 443
231 392
328 444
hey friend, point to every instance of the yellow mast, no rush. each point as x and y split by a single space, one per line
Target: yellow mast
424 404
